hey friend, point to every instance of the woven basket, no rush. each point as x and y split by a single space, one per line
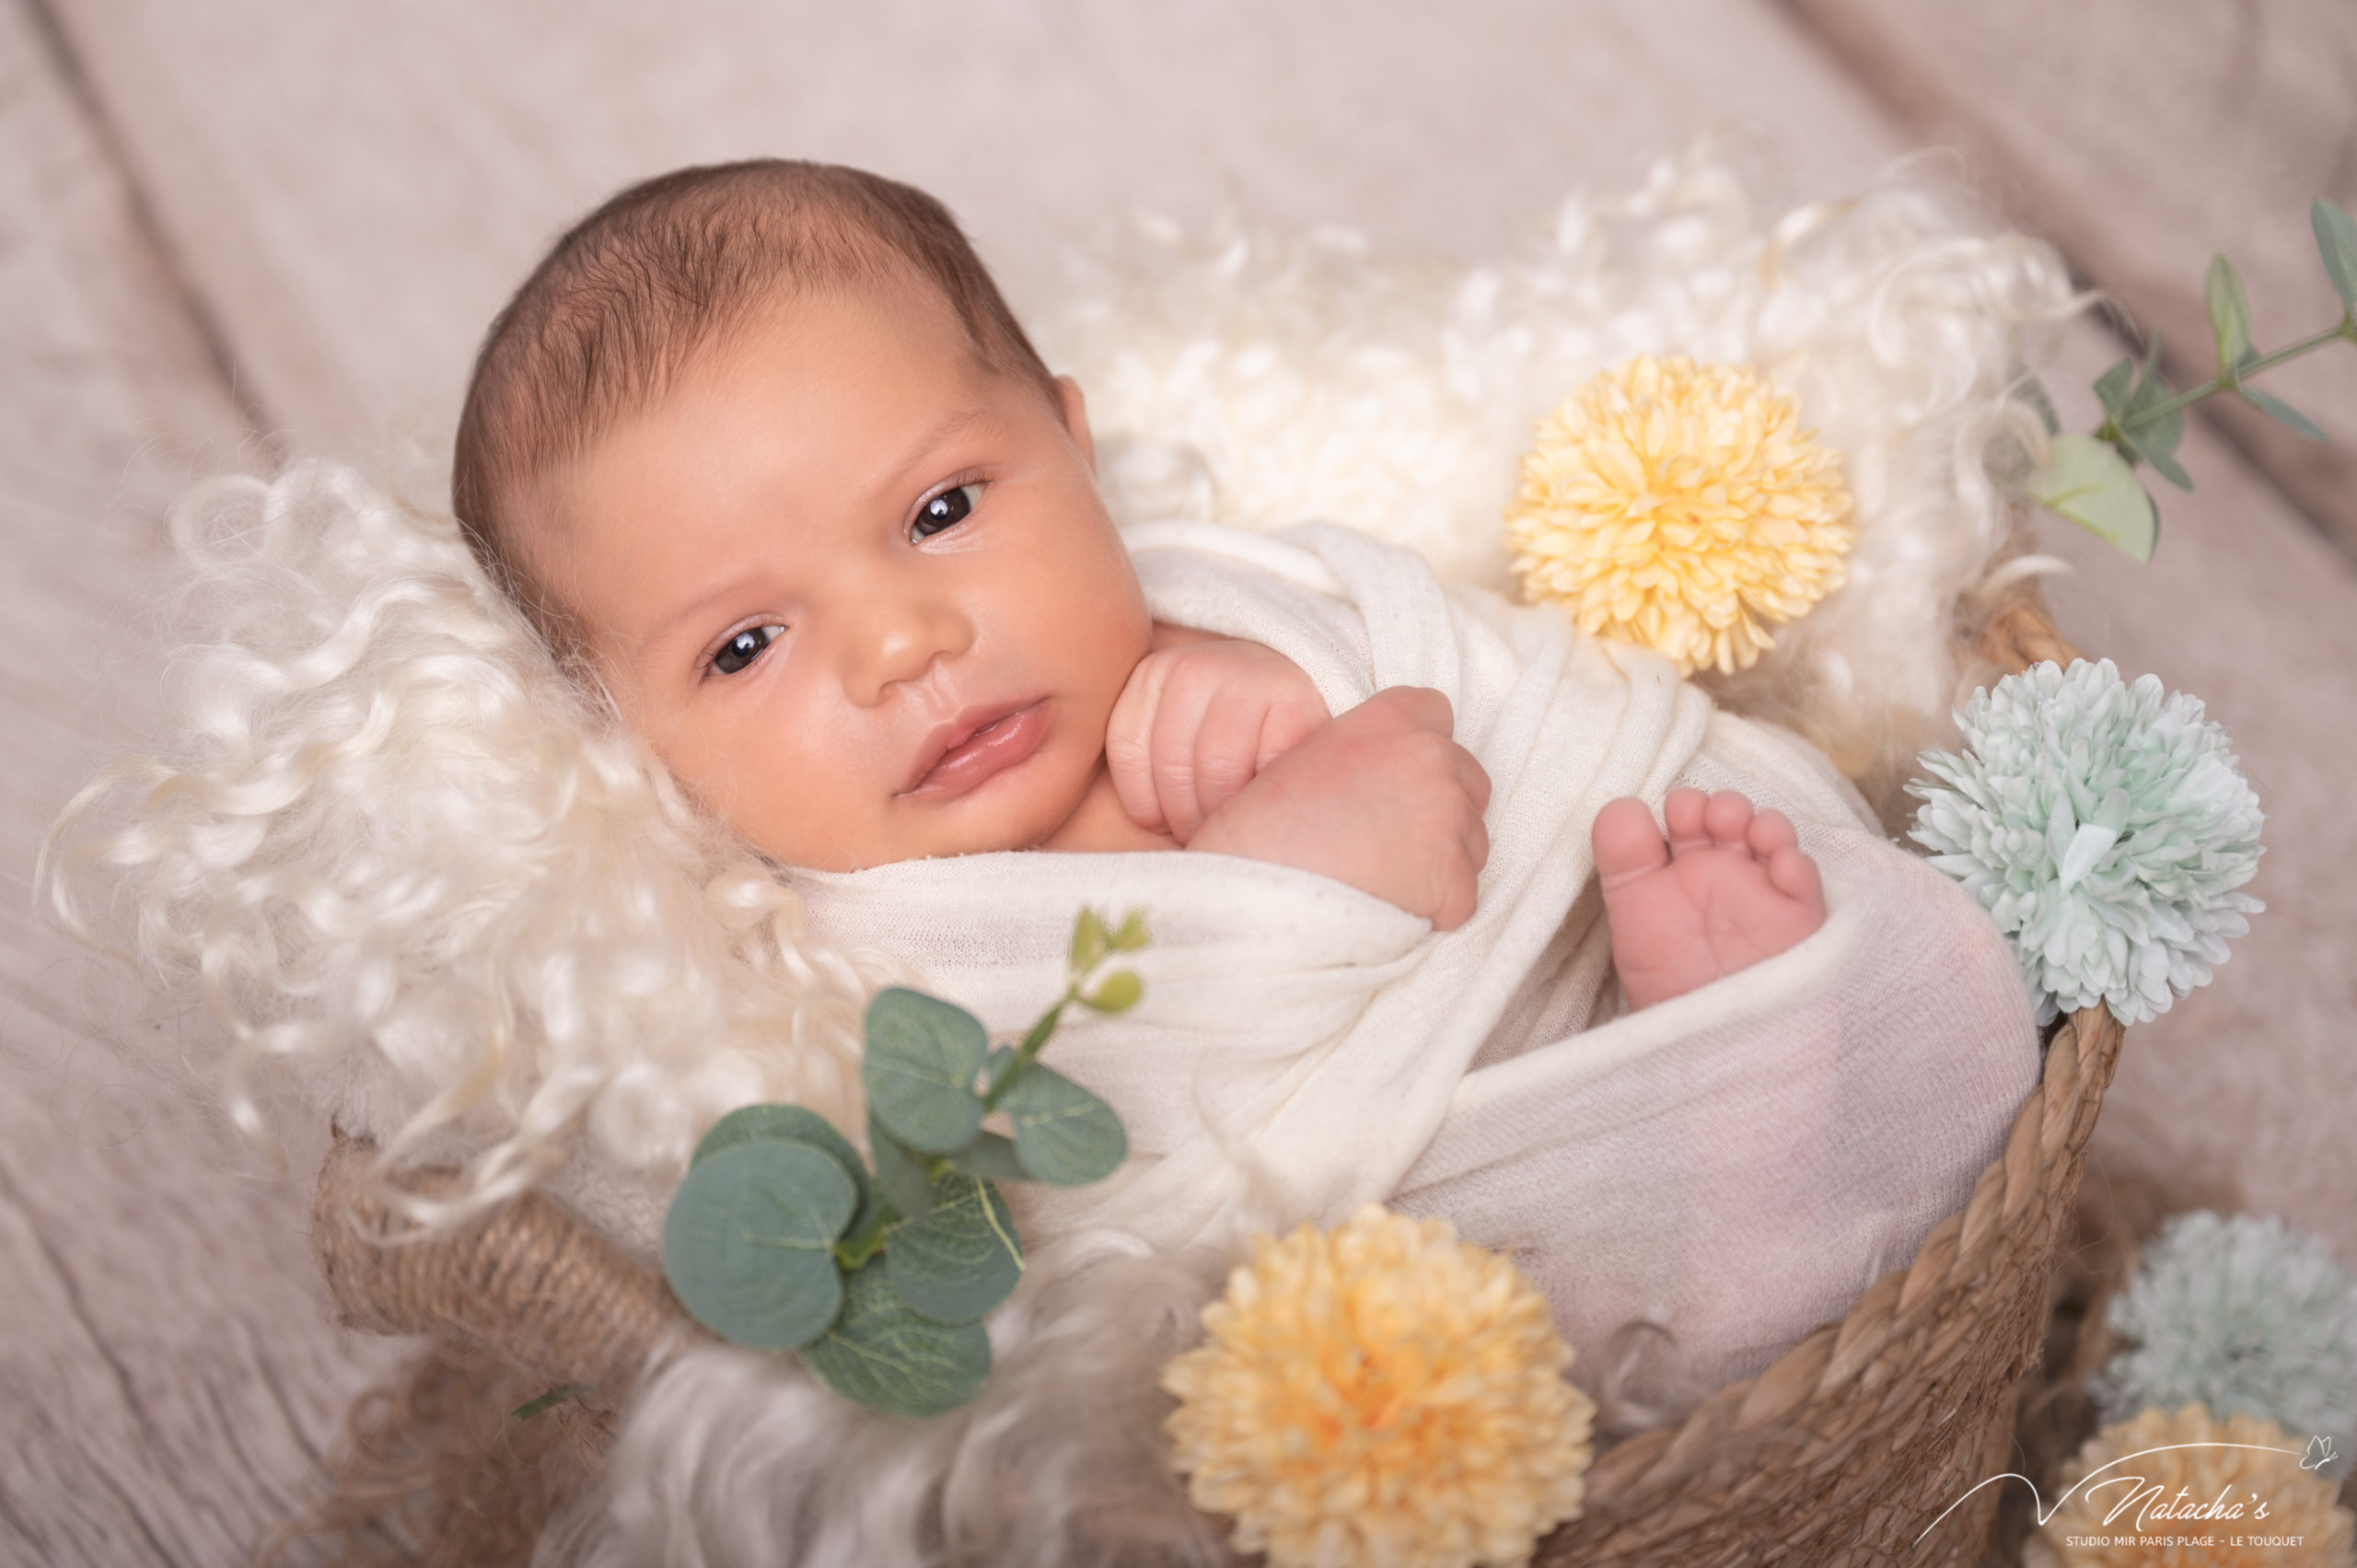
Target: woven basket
1842 1455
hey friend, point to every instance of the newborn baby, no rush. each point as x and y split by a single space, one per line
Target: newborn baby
764 454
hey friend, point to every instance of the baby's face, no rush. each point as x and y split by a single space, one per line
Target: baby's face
858 592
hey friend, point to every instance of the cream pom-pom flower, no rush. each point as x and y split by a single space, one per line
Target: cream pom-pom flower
1381 1393
1681 507
2246 1316
2183 1461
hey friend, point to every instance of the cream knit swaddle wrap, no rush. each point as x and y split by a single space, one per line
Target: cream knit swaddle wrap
1305 1048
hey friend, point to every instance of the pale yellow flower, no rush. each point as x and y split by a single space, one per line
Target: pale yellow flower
2301 1527
1680 506
1381 1393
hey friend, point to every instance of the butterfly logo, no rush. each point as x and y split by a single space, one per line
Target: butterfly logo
2320 1453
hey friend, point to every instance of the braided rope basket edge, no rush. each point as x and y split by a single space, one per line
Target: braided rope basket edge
1840 1455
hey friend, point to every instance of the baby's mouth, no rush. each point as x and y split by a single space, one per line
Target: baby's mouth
979 744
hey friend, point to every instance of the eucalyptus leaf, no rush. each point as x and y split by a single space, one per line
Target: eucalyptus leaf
1118 994
992 1157
784 1125
900 1175
885 1355
2148 375
2153 440
2337 243
2157 443
789 1124
2088 481
1089 942
1132 936
1063 1134
748 1242
2112 389
2276 408
962 1259
921 1058
2229 315
1002 1060
2029 389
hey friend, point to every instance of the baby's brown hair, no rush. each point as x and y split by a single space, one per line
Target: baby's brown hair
665 271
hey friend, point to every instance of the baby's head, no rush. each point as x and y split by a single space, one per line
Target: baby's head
761 449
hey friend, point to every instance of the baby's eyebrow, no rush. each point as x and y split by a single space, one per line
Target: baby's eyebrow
894 474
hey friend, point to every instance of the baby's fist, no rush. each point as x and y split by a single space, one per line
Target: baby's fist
1380 797
1195 724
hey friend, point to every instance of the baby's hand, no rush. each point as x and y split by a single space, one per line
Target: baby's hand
1381 799
1195 724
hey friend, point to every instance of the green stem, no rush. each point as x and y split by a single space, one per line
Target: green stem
2236 378
855 1249
1029 1049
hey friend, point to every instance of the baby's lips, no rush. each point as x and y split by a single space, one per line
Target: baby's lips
977 745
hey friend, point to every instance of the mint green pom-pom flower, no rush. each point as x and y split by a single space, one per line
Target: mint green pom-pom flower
2246 1316
2106 827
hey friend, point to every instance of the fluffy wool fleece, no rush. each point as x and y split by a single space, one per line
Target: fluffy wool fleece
408 861
439 892
1259 379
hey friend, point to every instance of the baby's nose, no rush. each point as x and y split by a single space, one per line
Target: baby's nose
897 638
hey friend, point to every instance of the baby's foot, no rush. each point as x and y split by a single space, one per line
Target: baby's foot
1729 889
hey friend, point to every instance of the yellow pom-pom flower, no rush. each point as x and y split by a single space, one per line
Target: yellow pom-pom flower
1680 507
2186 1463
1381 1393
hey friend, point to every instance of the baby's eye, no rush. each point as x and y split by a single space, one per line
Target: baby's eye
744 648
945 510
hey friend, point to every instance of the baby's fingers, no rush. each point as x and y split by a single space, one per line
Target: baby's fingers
1129 750
1460 874
1287 723
1459 889
1476 844
1185 708
1475 778
1418 706
1226 754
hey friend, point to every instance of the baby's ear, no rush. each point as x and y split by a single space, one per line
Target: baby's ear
1075 411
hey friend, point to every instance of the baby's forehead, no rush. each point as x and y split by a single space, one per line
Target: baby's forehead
826 345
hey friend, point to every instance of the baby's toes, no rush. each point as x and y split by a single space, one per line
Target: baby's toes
1770 831
1682 811
1794 875
1626 842
1728 818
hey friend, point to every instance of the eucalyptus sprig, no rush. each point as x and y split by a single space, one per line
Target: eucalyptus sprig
2091 479
781 1237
